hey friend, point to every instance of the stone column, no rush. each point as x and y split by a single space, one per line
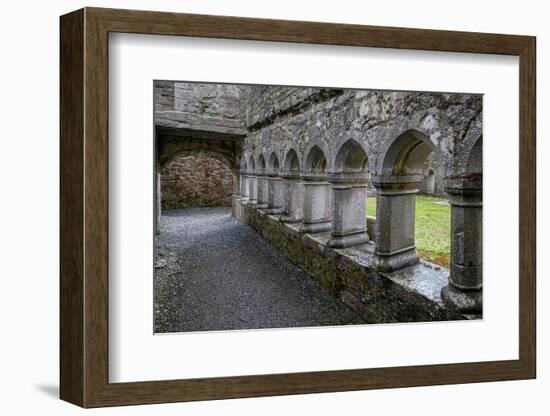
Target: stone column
252 188
158 206
317 203
275 194
293 197
261 179
236 183
395 221
349 219
464 292
236 196
244 187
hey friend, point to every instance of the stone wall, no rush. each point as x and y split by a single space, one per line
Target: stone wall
278 118
200 107
196 180
411 295
351 141
374 119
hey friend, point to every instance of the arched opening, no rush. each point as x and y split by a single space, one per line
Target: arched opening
261 175
196 179
292 162
293 188
315 161
407 154
317 212
275 189
261 163
407 224
349 194
428 184
274 163
475 159
250 165
351 158
244 179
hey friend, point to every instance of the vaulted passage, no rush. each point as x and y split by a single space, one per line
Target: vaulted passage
219 274
305 166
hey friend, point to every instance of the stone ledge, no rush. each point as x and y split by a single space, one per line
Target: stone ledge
412 294
188 121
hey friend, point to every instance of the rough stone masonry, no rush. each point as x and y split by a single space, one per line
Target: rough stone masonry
196 179
304 161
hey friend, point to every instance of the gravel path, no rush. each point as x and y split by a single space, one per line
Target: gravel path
219 274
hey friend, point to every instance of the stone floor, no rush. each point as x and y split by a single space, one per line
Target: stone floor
214 273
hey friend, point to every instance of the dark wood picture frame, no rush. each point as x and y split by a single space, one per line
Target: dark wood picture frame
84 207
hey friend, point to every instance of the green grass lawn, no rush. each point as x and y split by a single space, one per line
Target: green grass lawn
433 228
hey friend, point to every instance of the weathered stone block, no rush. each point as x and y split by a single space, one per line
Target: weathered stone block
395 221
317 204
294 198
349 196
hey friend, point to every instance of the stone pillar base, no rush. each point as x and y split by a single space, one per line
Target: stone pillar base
316 227
395 261
348 240
274 211
290 219
466 277
463 301
261 206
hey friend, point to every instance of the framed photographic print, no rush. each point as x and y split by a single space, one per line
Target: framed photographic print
256 207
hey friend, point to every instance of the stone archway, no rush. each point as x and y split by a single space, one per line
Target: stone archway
293 188
349 195
171 143
397 185
428 183
196 179
317 195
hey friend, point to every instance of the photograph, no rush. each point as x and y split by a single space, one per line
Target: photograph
265 203
304 206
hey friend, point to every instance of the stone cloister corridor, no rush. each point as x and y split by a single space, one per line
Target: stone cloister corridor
221 275
290 170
